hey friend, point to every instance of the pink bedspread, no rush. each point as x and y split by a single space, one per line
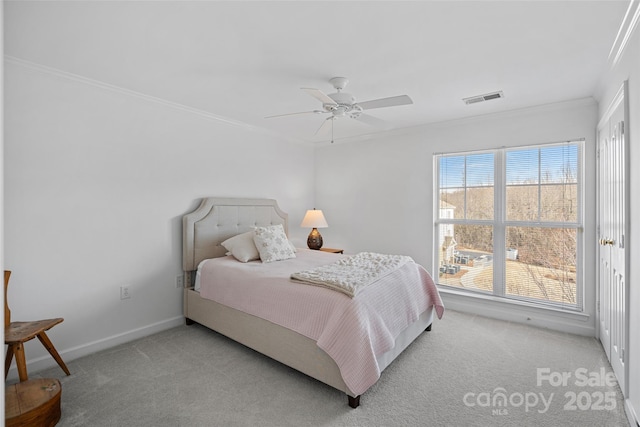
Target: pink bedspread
351 331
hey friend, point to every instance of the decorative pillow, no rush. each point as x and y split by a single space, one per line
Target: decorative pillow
242 247
272 243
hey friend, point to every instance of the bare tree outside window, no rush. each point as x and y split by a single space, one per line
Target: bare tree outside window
539 219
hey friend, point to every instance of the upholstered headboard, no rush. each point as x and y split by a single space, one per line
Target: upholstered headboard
217 219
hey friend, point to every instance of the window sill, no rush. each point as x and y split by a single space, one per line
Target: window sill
580 323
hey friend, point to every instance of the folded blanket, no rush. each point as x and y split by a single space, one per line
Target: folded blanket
352 274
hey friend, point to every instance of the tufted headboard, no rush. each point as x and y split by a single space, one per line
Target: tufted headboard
217 219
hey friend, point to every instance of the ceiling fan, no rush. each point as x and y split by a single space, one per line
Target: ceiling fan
342 104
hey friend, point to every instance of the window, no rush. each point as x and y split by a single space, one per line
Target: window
509 223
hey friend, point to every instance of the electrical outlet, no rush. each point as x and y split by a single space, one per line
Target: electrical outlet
180 282
124 292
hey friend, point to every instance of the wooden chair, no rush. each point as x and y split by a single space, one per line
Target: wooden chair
17 333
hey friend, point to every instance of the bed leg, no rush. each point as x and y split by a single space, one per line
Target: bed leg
188 321
429 327
354 402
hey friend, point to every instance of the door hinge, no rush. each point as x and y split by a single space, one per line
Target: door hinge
621 245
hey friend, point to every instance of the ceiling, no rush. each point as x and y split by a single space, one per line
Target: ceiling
242 61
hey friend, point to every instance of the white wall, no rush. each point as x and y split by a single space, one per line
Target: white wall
96 181
377 194
628 68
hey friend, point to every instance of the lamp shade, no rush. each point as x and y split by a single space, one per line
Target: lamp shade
314 219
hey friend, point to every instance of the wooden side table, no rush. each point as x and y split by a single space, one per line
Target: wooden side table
33 403
332 250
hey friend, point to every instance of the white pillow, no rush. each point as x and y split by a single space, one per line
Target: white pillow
242 247
272 243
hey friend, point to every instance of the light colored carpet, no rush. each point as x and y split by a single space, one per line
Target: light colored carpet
191 376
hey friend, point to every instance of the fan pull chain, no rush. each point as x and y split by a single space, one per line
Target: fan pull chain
332 120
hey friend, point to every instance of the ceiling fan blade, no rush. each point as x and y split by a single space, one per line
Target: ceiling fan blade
296 114
373 121
325 127
386 102
319 95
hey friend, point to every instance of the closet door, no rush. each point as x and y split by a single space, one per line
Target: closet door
613 196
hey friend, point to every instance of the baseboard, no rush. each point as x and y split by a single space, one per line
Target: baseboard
46 361
632 416
573 323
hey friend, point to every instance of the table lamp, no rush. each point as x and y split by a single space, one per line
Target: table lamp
314 219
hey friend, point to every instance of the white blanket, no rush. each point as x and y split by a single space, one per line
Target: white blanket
352 274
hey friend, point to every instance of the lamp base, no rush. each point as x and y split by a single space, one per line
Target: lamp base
314 241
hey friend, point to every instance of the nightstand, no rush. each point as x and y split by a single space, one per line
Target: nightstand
333 251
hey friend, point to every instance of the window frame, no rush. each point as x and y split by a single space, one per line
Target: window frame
500 225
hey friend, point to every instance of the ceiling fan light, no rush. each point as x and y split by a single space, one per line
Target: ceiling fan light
340 112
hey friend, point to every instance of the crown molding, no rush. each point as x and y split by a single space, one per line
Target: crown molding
627 26
51 71
453 123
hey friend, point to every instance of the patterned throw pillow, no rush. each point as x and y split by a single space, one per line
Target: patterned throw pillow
272 243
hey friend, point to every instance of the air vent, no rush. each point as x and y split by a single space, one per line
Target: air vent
482 98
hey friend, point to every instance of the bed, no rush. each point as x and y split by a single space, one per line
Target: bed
218 219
